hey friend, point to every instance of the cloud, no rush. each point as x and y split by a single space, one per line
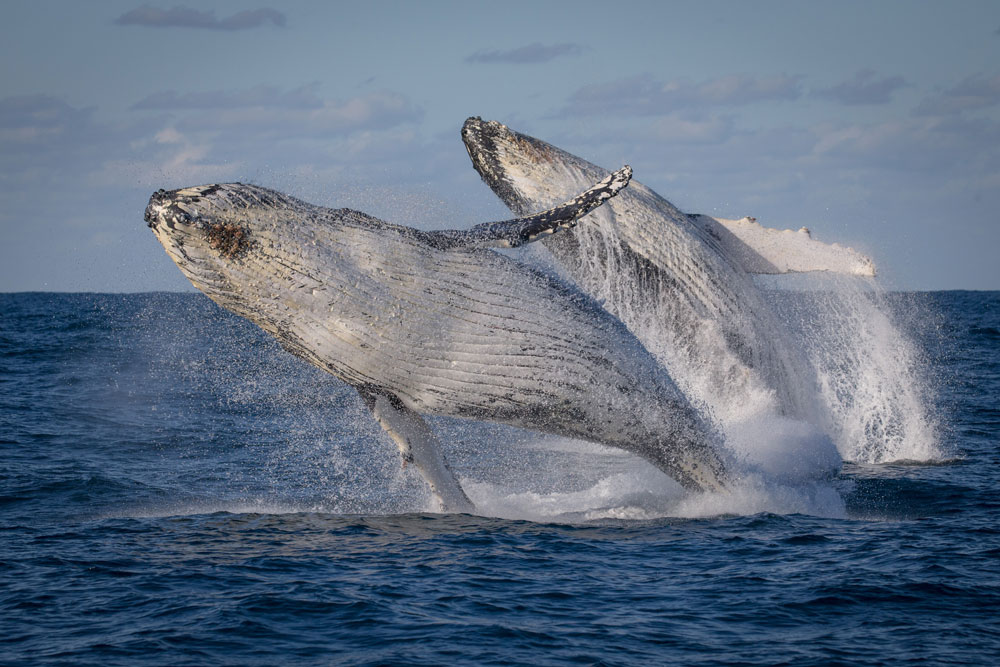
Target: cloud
930 145
265 125
46 142
303 97
76 180
267 112
186 17
643 95
682 129
532 54
972 93
25 119
864 88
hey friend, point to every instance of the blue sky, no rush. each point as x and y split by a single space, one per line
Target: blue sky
876 125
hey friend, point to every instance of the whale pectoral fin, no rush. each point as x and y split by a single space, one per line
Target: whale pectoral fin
760 249
418 445
514 233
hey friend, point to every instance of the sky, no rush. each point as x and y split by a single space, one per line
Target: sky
874 124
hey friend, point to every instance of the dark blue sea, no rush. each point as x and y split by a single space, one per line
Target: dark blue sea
177 490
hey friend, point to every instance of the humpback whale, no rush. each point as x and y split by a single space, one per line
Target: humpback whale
437 323
681 283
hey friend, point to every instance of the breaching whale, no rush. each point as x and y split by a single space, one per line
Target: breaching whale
437 323
681 283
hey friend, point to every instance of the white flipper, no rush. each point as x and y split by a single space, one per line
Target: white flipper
760 249
419 446
514 233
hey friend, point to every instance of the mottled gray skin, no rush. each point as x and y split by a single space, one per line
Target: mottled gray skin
441 327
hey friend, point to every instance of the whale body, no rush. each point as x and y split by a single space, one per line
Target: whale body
437 323
681 283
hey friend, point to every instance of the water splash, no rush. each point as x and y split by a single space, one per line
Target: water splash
837 358
871 377
561 480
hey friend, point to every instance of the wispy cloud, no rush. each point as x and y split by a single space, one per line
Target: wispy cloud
532 54
303 97
206 137
43 139
646 96
186 17
865 88
266 111
971 94
27 118
681 128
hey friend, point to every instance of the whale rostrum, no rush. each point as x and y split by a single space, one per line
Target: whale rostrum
437 323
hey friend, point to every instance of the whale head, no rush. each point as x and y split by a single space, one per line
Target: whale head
526 173
203 231
220 217
222 235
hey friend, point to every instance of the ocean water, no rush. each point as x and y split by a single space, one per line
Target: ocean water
175 489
